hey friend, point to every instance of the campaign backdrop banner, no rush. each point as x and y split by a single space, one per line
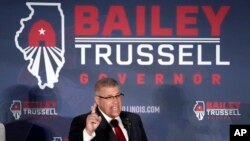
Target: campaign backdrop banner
183 66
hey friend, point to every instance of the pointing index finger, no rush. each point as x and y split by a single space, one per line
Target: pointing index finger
93 108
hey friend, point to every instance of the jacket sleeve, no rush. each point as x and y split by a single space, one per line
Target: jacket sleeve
137 132
76 128
143 134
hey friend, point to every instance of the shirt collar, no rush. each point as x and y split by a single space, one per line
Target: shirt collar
109 118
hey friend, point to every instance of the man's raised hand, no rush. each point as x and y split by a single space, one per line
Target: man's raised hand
93 120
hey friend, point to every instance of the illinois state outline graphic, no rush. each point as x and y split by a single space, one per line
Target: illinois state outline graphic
41 41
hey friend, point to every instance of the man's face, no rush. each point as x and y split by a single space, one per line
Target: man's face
111 106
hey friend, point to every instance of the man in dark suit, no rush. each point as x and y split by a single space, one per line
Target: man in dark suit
99 124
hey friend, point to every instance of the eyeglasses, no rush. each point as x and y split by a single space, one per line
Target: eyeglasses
111 97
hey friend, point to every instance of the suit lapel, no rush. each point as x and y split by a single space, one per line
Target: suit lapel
105 128
127 124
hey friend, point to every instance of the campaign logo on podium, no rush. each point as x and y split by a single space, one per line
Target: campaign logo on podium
41 41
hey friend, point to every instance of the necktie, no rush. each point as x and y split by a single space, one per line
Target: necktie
118 131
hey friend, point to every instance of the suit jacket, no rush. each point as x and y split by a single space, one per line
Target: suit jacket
132 123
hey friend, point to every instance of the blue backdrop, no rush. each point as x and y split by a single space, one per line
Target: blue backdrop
183 65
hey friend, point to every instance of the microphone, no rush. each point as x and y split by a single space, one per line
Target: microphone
2 132
127 124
